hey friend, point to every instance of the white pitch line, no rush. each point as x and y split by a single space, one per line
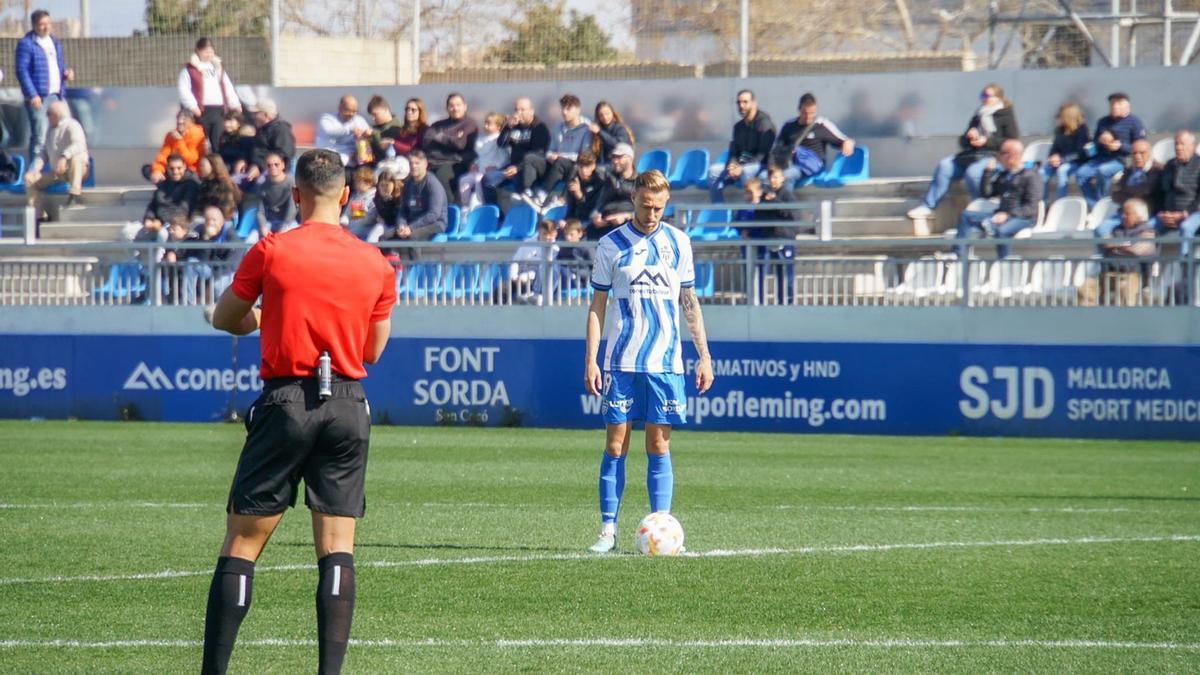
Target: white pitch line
109 505
968 509
717 553
640 643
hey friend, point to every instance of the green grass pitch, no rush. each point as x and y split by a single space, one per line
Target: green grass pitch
806 554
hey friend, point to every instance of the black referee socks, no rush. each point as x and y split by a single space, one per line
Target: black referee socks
228 602
335 609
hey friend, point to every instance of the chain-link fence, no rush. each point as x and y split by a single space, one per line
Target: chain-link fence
371 42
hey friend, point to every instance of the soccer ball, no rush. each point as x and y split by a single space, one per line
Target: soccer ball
659 534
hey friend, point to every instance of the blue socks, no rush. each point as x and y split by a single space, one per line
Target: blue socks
660 484
660 481
612 486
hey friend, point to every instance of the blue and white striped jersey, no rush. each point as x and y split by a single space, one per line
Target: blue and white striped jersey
643 275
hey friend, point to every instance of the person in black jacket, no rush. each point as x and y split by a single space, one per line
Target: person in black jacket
523 134
449 145
812 132
1069 150
749 150
990 126
608 131
1142 179
583 189
1019 190
614 205
274 136
1180 207
174 194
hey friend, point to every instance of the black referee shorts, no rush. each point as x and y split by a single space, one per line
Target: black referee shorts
292 434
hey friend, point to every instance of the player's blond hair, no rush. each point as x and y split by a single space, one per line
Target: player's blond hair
652 180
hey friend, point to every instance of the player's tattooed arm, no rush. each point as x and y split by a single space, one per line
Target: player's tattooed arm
695 323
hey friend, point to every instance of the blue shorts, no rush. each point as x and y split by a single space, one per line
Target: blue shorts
656 398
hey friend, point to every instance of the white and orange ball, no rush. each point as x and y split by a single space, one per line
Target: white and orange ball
659 534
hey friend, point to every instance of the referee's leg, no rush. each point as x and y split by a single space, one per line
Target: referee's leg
230 592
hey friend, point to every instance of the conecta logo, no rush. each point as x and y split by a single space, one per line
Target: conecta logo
146 378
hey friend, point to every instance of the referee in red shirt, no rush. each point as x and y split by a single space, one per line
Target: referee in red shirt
323 291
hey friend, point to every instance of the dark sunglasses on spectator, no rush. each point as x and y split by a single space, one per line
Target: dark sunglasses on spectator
983 96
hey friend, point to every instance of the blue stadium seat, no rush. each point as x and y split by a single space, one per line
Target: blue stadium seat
556 213
18 184
690 170
655 159
846 170
247 221
453 225
481 221
519 224
421 280
713 225
704 279
125 279
61 188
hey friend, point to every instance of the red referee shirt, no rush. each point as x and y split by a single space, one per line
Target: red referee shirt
322 288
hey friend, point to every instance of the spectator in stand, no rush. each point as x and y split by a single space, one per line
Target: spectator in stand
614 205
583 190
450 145
1019 190
1115 134
1180 209
422 203
176 193
801 146
749 150
359 215
608 130
991 125
42 74
777 259
777 192
527 138
208 272
384 128
1069 150
236 148
185 140
276 205
405 136
1142 179
525 272
575 262
490 159
274 135
387 199
207 92
63 159
571 137
346 133
216 187
1120 278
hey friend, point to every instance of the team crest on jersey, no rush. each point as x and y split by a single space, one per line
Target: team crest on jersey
666 254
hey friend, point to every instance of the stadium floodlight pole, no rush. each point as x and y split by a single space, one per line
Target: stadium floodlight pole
416 42
744 57
274 43
85 19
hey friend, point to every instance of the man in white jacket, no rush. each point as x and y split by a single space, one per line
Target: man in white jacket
341 132
64 158
206 90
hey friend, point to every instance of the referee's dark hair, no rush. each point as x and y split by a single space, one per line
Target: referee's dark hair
807 99
320 172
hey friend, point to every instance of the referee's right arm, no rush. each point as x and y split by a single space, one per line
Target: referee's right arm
240 317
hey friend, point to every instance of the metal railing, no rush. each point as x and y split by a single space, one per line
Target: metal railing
814 273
